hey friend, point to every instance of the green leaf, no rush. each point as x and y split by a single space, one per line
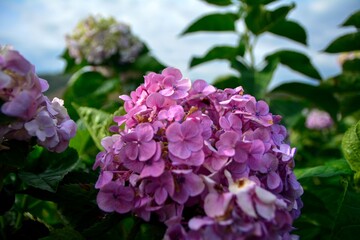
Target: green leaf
150 231
346 224
331 207
291 30
213 22
351 147
259 20
146 63
348 82
71 65
57 165
263 78
349 104
317 96
257 2
86 88
97 122
221 3
296 61
99 228
217 52
352 65
345 43
15 155
353 20
77 203
64 233
227 82
329 169
81 137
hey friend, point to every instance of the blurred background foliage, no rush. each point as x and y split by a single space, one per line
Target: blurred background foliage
52 196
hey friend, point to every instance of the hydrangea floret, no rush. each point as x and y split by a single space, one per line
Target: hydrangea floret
96 39
209 163
26 113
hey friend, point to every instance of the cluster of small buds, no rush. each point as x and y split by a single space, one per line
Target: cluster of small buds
217 155
97 39
318 120
25 112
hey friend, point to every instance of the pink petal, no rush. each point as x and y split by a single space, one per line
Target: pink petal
174 133
171 71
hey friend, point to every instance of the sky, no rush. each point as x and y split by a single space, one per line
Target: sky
37 29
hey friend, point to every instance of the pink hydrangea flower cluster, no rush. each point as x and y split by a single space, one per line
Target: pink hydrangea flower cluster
25 112
209 163
317 119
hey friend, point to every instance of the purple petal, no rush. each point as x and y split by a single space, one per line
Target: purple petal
273 180
174 133
195 144
154 170
145 132
262 107
160 195
215 205
194 184
147 150
190 129
155 100
132 150
22 106
245 202
264 195
179 150
104 178
167 92
196 223
265 211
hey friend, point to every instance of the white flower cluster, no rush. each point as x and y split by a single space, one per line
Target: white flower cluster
97 39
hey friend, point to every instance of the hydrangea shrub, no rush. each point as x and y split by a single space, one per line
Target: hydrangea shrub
25 111
209 163
97 39
318 120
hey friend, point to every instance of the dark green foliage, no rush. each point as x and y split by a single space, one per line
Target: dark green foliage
345 43
296 61
213 22
260 20
219 2
353 20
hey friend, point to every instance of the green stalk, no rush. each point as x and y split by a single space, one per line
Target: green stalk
2 227
20 215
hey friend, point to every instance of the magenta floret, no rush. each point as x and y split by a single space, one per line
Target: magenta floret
217 155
